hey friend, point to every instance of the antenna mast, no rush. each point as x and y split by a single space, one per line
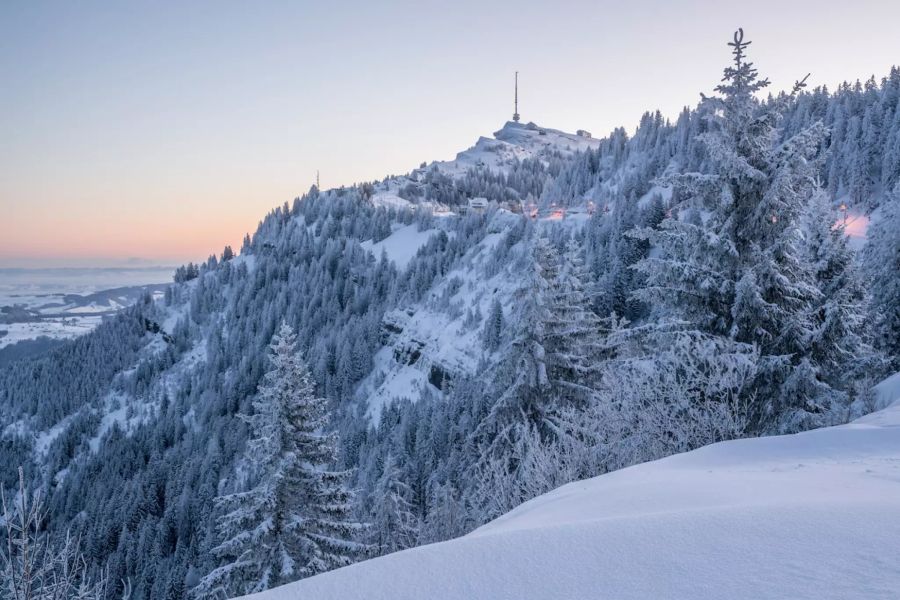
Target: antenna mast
318 187
516 109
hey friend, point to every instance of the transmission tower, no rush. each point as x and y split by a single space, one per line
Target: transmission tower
516 109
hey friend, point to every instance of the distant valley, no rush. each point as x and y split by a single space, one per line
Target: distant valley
40 308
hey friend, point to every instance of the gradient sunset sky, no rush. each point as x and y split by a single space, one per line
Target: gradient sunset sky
158 132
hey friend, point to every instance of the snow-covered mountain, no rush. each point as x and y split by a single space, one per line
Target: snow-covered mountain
434 309
812 515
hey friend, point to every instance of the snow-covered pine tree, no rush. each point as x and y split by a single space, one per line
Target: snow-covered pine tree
839 341
447 516
738 272
393 526
882 260
573 333
32 567
493 327
624 251
295 521
518 397
552 367
669 389
521 380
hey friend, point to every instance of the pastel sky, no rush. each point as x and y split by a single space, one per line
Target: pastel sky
160 131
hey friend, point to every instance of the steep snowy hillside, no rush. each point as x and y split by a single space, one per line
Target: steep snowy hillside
429 343
480 327
813 515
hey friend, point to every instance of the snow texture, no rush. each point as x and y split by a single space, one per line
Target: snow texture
432 335
813 515
401 245
513 143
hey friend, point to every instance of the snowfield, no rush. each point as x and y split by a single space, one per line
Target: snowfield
814 515
401 245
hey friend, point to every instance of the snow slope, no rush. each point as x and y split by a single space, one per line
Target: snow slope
401 245
431 336
812 515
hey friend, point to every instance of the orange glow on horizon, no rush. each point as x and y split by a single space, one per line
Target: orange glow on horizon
142 231
167 132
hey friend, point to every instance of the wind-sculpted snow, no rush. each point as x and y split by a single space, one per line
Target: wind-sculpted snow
813 515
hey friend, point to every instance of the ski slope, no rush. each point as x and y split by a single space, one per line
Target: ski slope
814 515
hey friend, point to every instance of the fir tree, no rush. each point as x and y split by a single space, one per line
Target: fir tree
551 367
447 517
739 272
521 380
882 256
295 522
493 327
393 524
839 340
573 333
518 399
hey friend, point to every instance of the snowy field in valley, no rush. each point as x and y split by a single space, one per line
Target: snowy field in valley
63 303
814 515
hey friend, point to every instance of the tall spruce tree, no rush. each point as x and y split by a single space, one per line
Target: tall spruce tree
739 271
295 521
517 400
493 327
882 254
840 339
551 369
521 378
573 333
393 524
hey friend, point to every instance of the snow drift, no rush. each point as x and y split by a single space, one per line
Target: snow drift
811 515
